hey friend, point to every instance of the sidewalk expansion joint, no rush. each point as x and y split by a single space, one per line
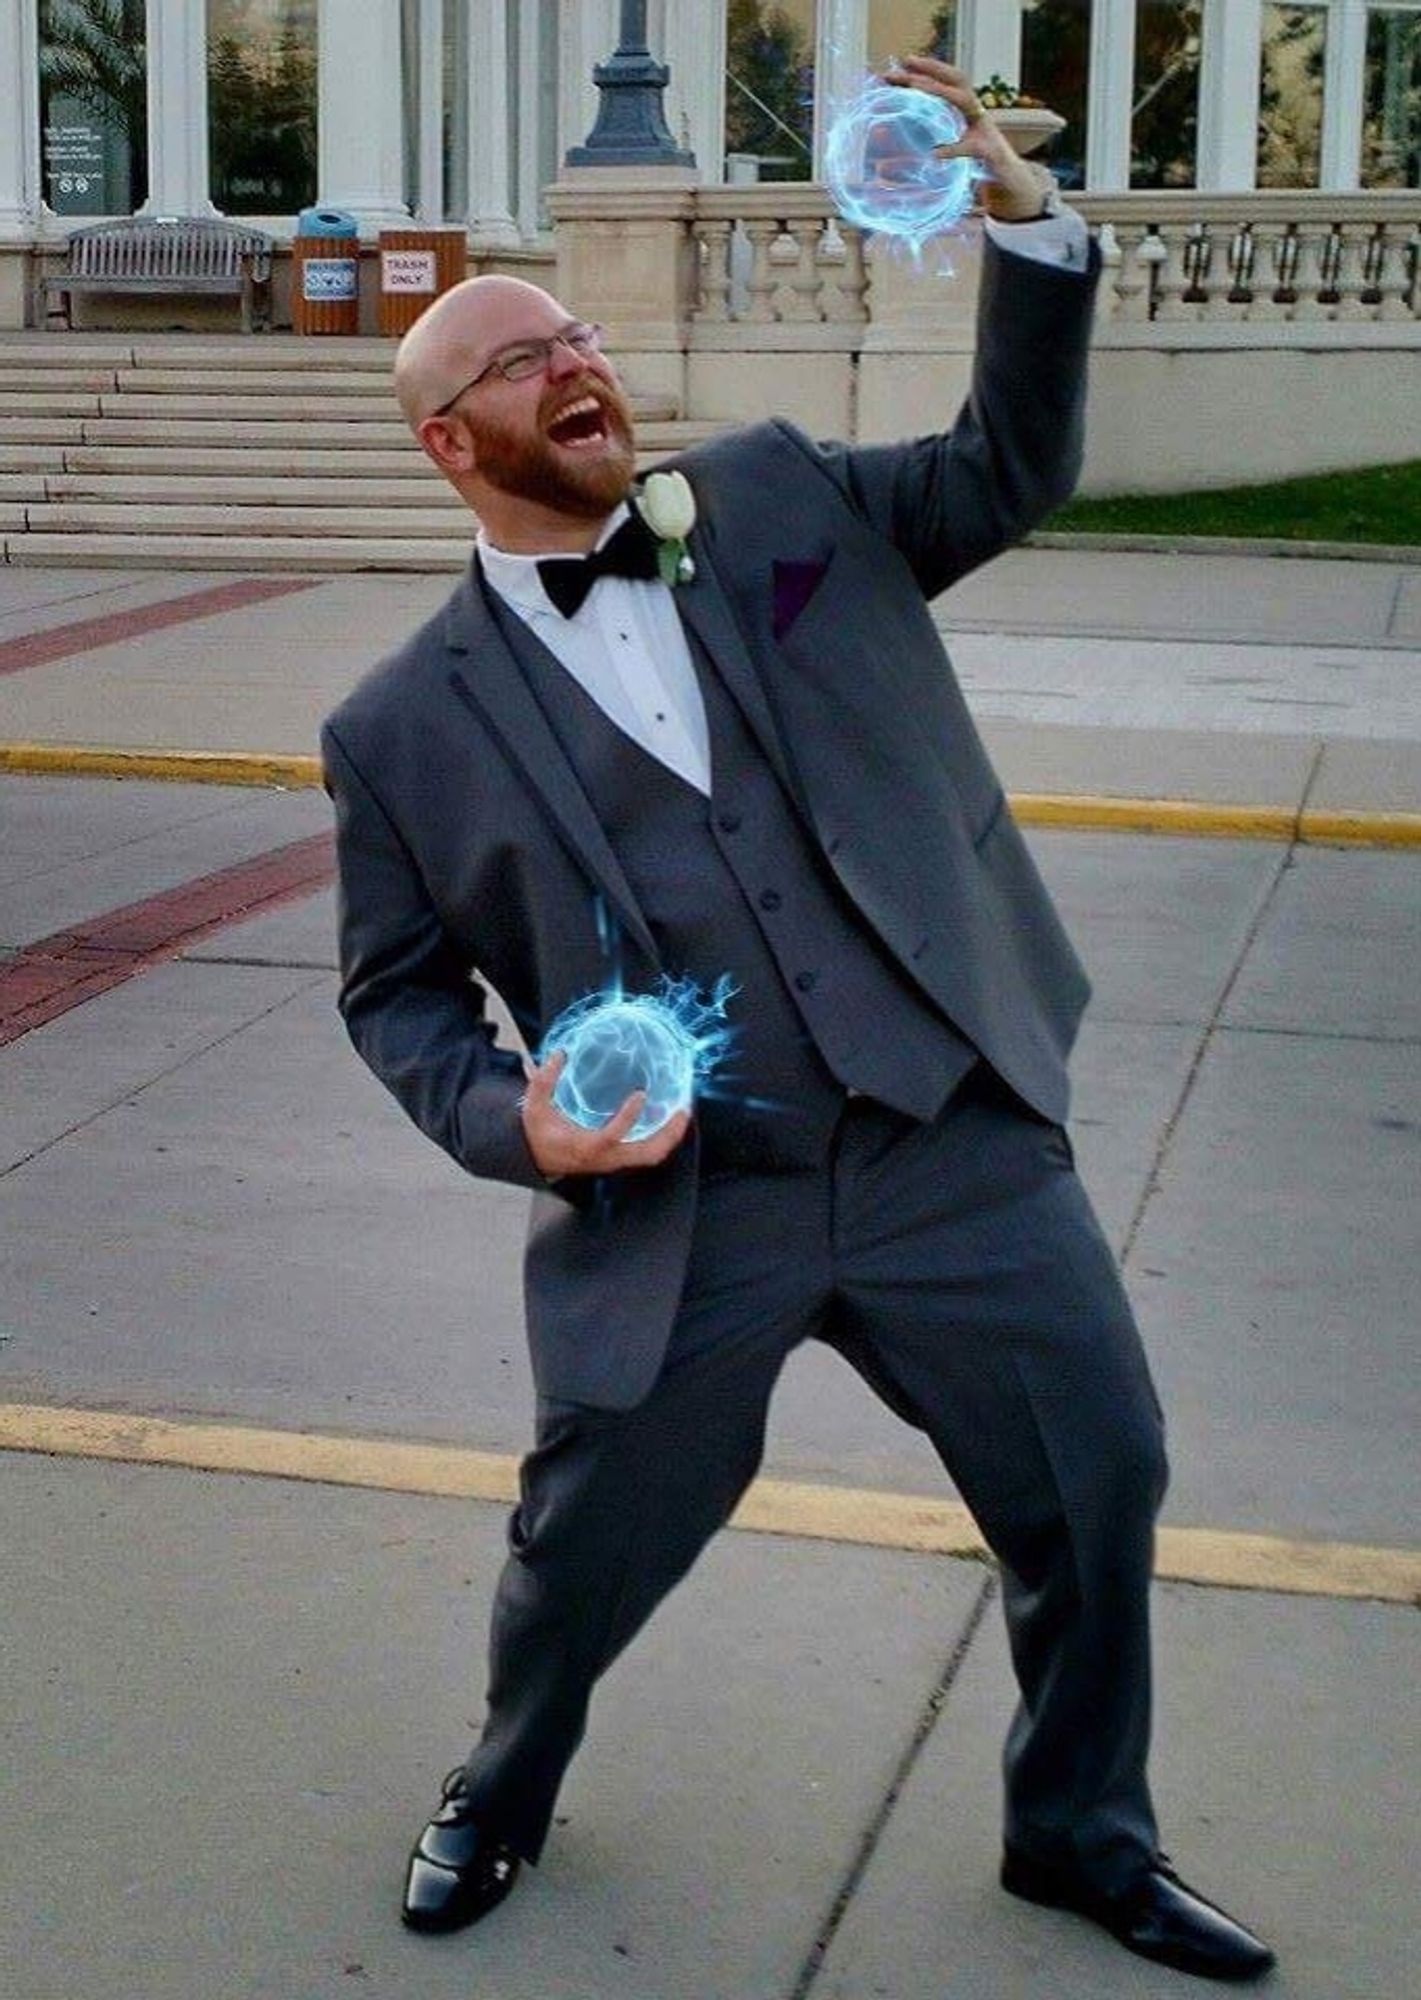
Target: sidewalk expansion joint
135 1091
873 1833
55 974
865 1517
1074 812
1205 1042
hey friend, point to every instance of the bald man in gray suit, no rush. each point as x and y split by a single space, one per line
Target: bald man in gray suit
580 775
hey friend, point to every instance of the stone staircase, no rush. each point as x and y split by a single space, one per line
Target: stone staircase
276 453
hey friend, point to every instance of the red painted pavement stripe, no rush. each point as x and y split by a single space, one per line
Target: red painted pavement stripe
59 642
57 973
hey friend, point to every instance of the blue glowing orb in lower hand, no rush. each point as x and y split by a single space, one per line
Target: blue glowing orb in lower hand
664 1043
881 169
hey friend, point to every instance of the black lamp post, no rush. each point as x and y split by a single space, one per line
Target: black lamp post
631 128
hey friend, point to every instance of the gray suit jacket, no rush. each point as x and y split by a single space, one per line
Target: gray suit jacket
465 840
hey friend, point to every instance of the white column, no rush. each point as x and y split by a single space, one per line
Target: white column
695 97
1342 96
589 30
177 109
530 97
1111 88
1228 95
360 111
840 64
19 202
431 111
989 39
490 190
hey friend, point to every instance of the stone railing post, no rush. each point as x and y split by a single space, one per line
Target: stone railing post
625 259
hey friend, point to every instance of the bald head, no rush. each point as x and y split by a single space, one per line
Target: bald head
542 456
461 333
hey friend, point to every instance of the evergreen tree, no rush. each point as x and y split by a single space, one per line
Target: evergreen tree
1164 117
941 38
769 98
1290 101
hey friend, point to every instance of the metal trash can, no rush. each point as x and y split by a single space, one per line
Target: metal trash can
325 272
416 265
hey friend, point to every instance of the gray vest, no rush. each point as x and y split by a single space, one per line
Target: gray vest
737 884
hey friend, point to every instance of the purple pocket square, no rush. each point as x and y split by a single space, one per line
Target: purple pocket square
795 584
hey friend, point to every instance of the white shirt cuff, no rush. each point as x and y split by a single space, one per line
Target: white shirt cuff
1056 239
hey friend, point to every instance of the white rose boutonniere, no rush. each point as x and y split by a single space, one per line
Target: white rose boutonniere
668 506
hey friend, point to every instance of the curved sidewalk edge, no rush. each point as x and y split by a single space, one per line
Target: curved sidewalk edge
1121 541
1079 812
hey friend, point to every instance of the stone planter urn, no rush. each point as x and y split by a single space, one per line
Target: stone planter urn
1029 127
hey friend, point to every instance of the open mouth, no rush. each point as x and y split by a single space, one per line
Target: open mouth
581 424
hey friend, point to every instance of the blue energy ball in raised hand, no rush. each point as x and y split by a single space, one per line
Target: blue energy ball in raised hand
881 167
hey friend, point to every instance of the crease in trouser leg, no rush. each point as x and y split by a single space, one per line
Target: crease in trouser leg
615 1510
1076 1598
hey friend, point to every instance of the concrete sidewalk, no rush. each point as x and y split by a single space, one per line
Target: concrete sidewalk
232 1696
230 1716
1266 682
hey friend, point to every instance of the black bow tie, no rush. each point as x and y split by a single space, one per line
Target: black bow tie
632 551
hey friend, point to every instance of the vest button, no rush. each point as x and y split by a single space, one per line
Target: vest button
729 822
770 899
806 981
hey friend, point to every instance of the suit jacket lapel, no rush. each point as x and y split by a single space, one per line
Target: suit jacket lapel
706 607
486 677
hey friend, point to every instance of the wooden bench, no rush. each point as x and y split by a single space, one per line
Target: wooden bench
180 255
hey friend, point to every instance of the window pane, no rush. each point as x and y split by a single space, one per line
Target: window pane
1391 100
911 28
1290 96
769 85
93 69
1055 66
1164 111
261 105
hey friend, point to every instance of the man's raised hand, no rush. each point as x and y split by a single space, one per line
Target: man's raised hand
1015 189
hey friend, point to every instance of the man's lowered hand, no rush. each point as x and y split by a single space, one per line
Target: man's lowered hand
560 1146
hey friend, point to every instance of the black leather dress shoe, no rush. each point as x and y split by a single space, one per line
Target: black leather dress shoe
457 1872
1158 1917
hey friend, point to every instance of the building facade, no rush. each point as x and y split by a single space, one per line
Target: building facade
462 110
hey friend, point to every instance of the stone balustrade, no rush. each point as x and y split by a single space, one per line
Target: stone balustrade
771 264
1271 333
1270 258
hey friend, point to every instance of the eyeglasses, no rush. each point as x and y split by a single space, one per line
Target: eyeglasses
527 358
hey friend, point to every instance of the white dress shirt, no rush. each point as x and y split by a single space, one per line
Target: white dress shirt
1056 239
625 645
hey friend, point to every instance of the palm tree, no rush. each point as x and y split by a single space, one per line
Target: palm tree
95 52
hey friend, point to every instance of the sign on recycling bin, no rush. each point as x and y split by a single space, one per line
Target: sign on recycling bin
407 271
325 279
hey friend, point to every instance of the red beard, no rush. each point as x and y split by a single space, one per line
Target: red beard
528 465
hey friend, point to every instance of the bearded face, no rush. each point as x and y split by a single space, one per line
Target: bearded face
576 456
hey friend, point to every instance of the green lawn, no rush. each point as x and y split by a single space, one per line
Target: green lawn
1375 504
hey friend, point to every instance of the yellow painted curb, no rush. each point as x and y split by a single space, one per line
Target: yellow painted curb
1360 829
1086 812
867 1517
1078 812
187 767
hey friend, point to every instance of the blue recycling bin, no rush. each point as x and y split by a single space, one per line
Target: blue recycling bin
325 272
